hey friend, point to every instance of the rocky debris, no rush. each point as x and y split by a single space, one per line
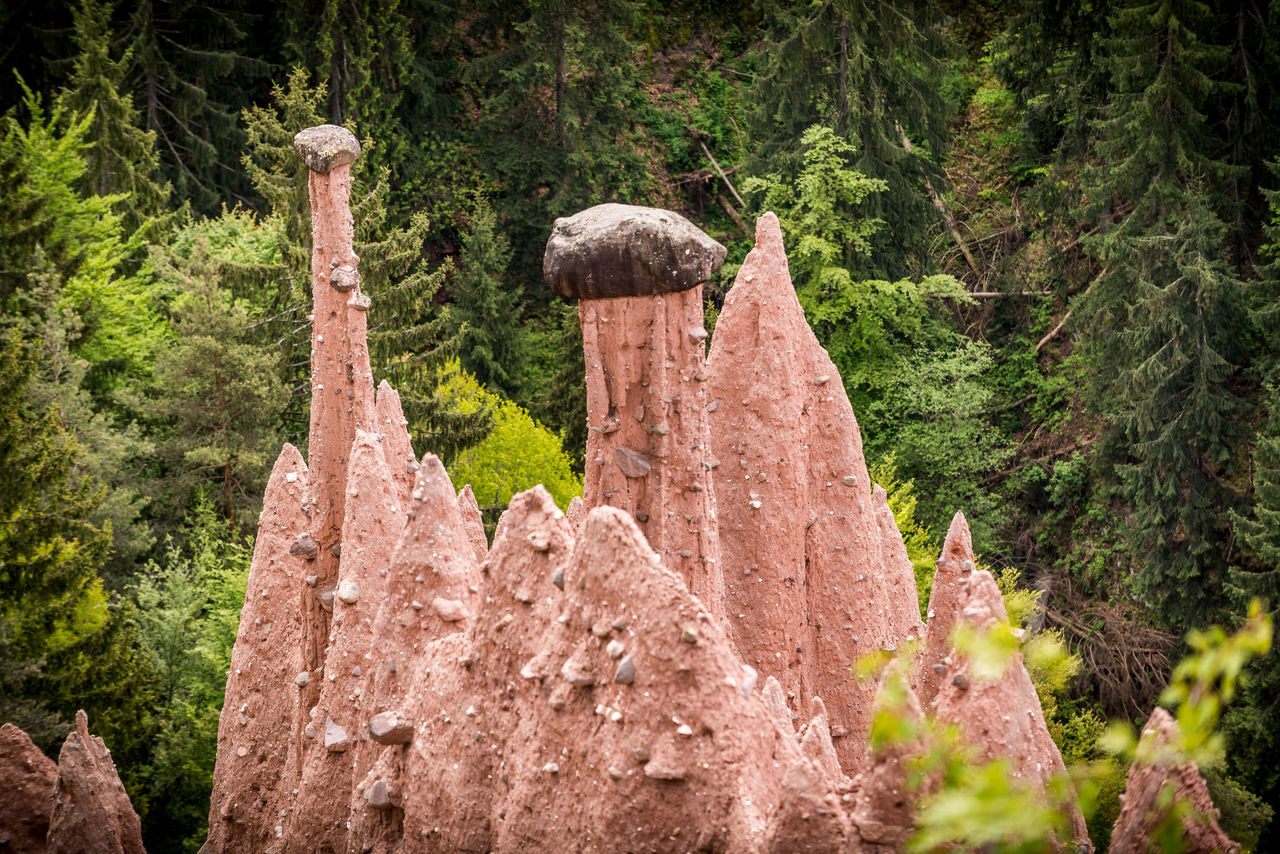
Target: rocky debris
648 446
1001 718
326 147
91 810
473 522
257 757
955 568
800 532
1158 769
26 790
626 251
390 728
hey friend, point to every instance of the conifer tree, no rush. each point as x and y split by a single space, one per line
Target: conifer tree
387 67
217 393
486 305
122 160
191 79
1163 316
870 70
557 125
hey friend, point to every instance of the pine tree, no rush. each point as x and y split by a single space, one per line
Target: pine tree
871 70
486 306
216 392
1259 530
1163 316
387 67
1049 57
122 160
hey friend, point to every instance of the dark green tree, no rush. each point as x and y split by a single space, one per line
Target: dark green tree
486 305
872 71
193 68
1162 318
391 69
122 159
557 125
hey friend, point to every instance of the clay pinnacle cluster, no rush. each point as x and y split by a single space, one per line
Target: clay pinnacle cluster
664 668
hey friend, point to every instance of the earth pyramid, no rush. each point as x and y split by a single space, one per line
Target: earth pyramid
664 665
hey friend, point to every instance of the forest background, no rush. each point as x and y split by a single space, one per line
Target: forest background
1038 237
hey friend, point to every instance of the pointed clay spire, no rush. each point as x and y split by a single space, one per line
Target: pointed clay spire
900 573
1000 718
816 744
342 398
257 759
473 522
394 429
775 702
454 782
794 501
638 273
807 818
372 527
91 810
26 790
577 512
884 804
1144 808
432 592
955 568
644 699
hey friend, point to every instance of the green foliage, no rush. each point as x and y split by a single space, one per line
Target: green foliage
486 308
217 391
116 321
186 71
1164 314
63 641
869 70
188 614
922 547
520 453
122 160
914 382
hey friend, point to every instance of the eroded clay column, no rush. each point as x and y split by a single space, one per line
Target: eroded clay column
341 380
638 274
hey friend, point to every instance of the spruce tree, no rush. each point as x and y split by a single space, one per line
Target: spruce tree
122 159
870 70
192 68
486 305
557 125
216 392
1164 314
